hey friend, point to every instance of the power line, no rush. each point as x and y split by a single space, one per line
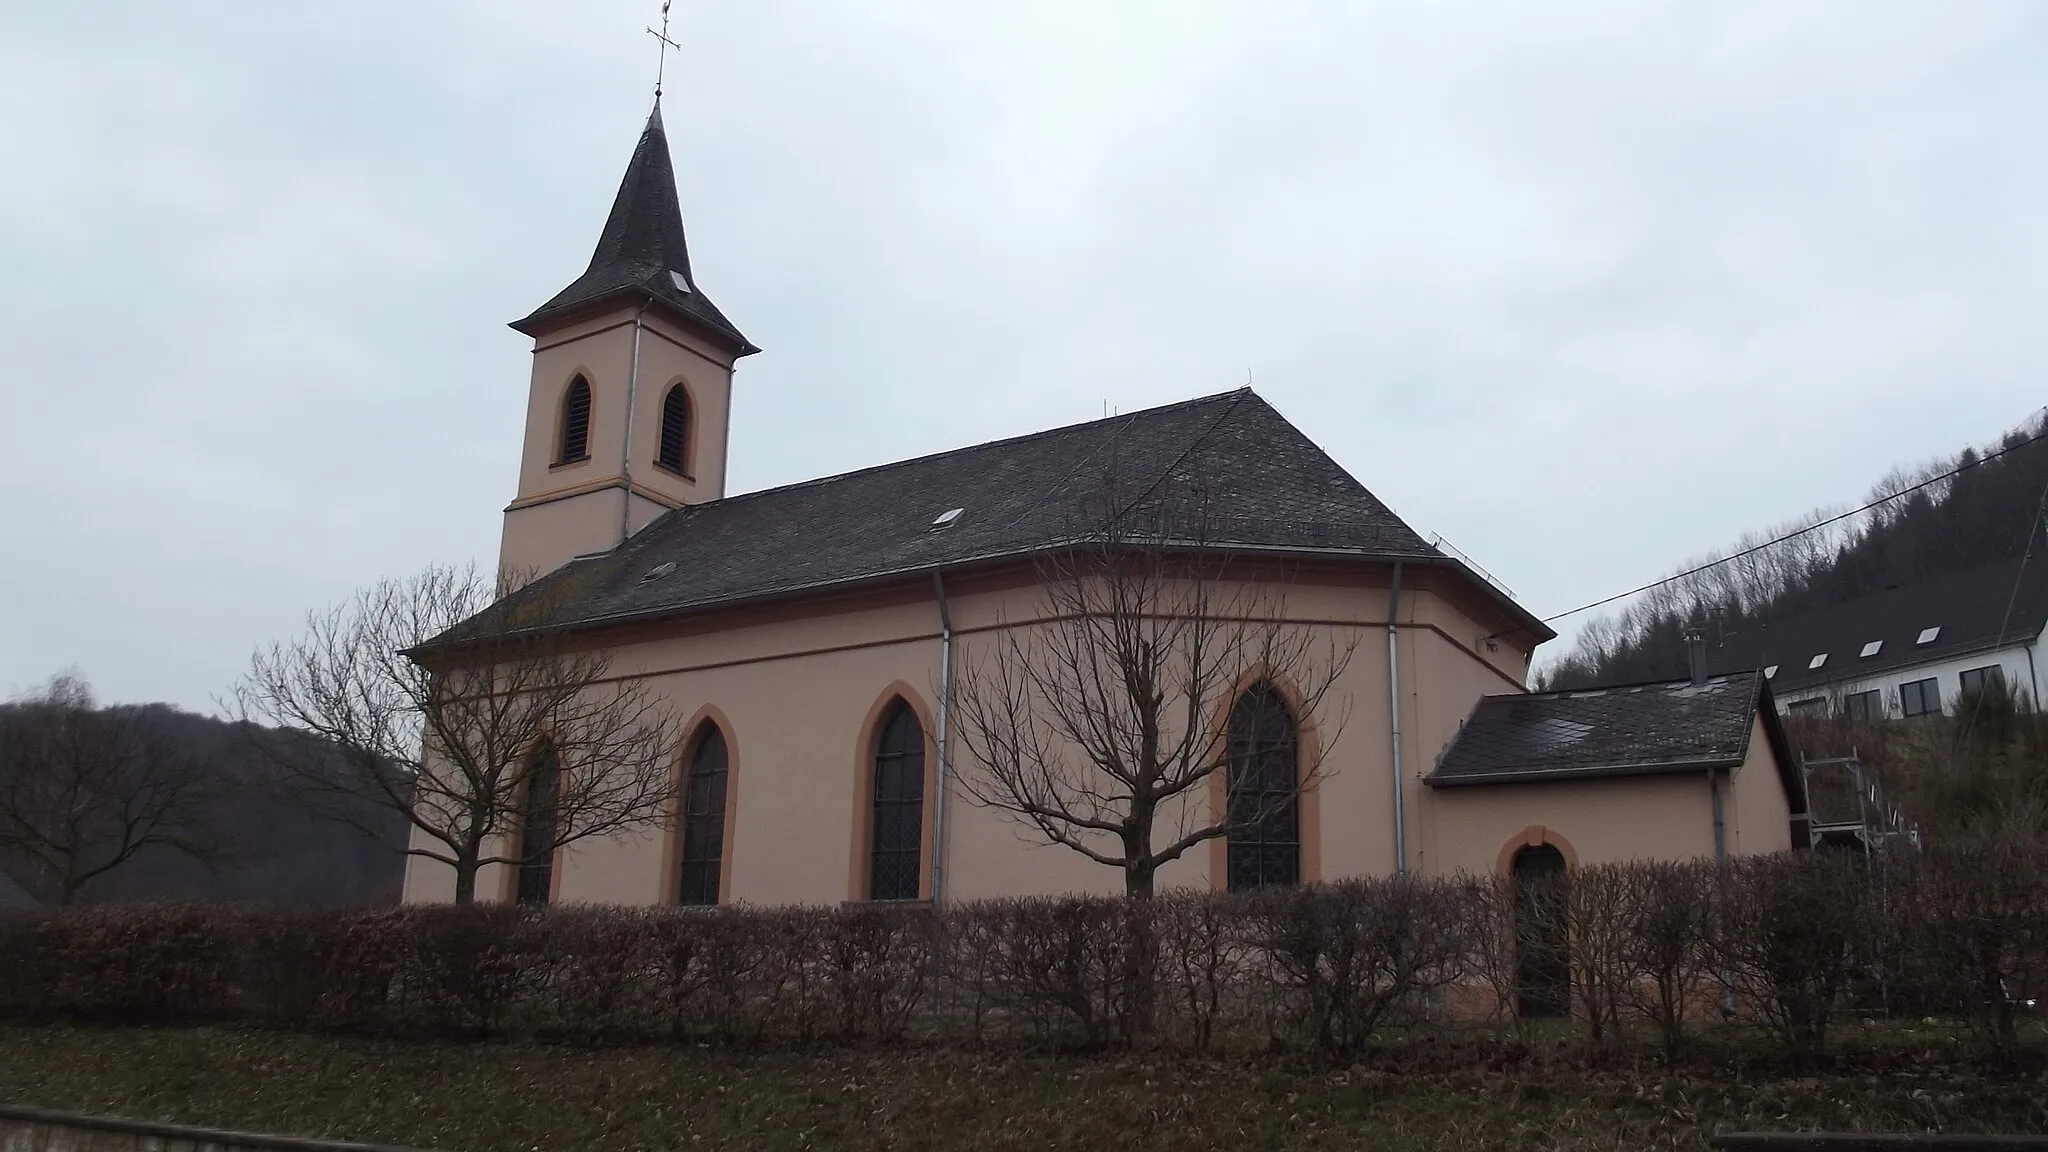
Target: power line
1712 564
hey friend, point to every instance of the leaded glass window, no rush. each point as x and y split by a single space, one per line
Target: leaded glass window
537 828
1264 792
703 819
898 823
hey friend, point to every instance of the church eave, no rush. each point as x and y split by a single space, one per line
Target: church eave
559 312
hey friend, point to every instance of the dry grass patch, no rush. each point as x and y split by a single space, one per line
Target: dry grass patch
516 1098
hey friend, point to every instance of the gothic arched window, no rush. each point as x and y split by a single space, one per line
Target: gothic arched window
1264 792
898 817
575 439
675 431
703 819
537 828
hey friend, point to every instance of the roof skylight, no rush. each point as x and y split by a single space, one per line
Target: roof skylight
1816 662
1770 672
1871 648
1927 635
949 517
681 281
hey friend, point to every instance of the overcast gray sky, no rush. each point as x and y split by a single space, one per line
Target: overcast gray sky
1589 288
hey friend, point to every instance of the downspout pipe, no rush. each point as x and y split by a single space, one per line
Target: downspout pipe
1394 712
1714 791
2033 680
944 737
626 448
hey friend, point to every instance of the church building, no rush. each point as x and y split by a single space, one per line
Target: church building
808 635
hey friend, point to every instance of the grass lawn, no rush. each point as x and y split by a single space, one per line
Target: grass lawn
518 1098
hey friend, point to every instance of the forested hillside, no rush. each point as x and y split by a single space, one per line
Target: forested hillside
1990 509
136 802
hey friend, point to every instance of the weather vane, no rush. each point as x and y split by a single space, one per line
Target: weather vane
661 65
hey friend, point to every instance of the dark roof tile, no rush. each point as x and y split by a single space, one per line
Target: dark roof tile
1265 485
642 253
1969 607
1640 729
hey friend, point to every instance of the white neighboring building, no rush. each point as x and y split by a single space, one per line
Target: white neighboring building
1909 650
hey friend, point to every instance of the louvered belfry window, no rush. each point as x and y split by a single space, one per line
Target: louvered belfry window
537 828
575 443
1264 792
675 430
898 832
703 819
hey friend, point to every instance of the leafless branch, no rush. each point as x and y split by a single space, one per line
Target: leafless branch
441 694
1097 724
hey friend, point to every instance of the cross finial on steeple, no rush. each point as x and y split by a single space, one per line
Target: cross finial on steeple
661 64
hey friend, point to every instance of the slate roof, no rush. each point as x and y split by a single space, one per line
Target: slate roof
1265 484
642 253
1967 606
1631 730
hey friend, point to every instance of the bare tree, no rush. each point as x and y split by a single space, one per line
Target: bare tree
499 736
1096 724
84 789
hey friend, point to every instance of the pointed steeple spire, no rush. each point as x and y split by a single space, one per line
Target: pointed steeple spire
642 253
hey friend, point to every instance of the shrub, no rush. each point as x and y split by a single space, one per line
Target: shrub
1347 956
1326 970
1787 938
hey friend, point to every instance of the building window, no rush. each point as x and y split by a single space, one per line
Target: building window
1990 678
675 431
1818 706
537 828
1264 792
703 819
1864 705
575 439
898 829
1920 697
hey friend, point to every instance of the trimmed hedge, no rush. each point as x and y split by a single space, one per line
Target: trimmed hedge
1786 942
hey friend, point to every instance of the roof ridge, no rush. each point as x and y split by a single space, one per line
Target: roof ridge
907 461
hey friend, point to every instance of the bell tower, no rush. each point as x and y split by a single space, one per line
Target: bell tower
628 410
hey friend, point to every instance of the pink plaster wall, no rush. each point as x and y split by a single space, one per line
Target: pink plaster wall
797 682
1603 821
1759 814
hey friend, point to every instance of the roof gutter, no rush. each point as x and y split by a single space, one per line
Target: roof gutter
1552 775
1533 625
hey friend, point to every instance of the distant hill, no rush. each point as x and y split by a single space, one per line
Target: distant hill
284 852
1988 511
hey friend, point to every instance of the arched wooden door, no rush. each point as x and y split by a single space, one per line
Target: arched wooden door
1543 959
